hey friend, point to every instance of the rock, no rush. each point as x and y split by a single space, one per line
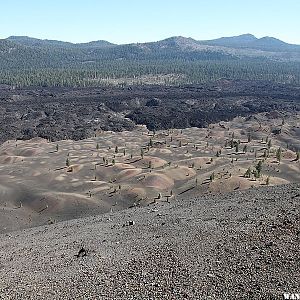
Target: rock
81 253
129 223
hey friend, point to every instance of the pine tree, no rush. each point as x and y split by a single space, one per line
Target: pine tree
247 173
236 147
249 137
269 144
278 154
258 168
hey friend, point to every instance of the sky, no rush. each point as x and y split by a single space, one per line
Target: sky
131 21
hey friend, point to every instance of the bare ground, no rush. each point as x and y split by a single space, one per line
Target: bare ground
242 245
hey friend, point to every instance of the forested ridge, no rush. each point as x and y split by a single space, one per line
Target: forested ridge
32 62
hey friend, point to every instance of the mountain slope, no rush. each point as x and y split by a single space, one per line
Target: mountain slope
28 61
233 41
243 245
33 42
251 42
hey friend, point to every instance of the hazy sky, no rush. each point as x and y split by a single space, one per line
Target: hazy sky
125 21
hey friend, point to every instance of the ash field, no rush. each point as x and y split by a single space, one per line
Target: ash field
185 192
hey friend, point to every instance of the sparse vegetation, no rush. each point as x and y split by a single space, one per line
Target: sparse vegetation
258 168
248 173
279 154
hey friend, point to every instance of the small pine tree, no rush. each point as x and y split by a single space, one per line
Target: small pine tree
150 143
268 180
142 153
269 144
116 149
249 137
97 146
278 154
67 162
258 168
245 149
247 173
56 147
212 177
255 173
236 147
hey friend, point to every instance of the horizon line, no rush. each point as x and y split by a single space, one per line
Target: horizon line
142 42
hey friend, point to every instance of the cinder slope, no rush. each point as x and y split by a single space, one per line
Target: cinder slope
243 245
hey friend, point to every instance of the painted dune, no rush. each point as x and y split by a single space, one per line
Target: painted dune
44 182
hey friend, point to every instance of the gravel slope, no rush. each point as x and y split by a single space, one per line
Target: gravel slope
243 245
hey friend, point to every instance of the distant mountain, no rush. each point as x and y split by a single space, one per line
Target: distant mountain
251 42
33 42
96 44
273 44
233 41
184 60
176 43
